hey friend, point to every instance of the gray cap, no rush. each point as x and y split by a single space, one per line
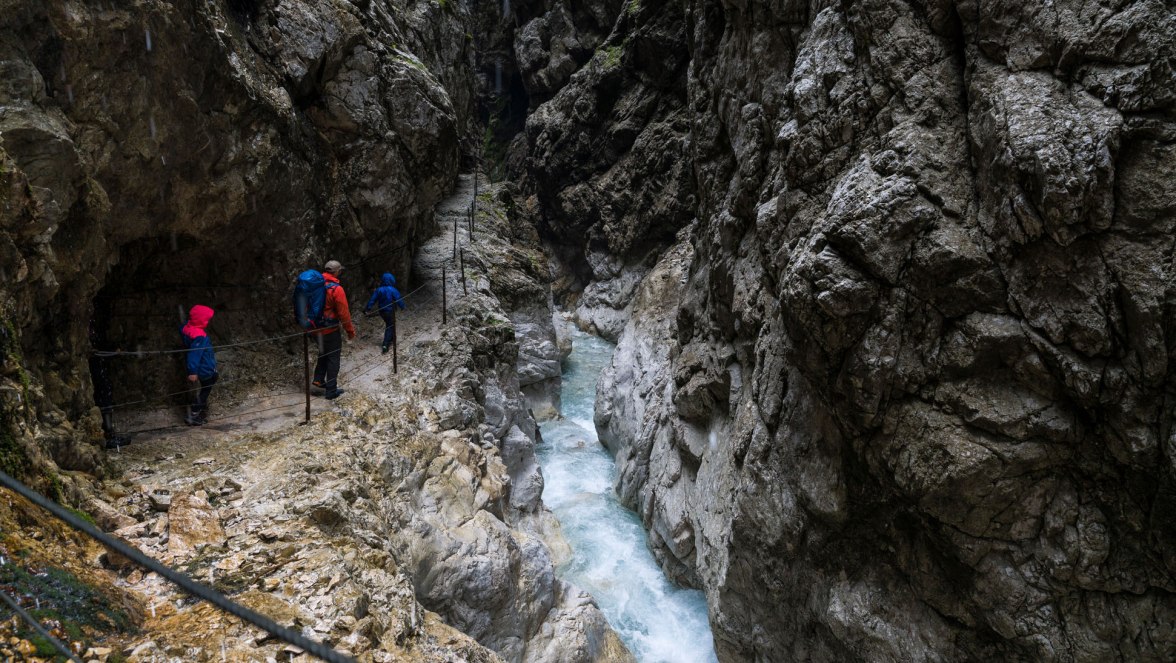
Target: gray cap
333 266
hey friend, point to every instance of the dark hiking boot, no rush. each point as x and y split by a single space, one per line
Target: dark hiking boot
117 441
318 384
383 349
334 394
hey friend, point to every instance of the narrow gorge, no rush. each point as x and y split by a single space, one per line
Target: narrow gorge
866 308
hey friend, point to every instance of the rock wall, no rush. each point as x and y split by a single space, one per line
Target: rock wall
912 400
157 154
402 523
469 516
892 283
608 158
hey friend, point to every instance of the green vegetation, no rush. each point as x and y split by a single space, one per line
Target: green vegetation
82 612
493 153
497 323
10 348
83 515
633 7
493 146
12 455
611 57
53 488
412 62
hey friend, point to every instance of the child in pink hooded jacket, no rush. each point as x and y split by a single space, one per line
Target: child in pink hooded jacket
201 362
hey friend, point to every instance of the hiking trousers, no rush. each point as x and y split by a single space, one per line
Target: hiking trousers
389 327
200 406
326 369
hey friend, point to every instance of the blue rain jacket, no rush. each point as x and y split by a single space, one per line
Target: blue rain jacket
201 358
386 295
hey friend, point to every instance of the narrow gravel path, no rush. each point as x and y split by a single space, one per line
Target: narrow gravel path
270 408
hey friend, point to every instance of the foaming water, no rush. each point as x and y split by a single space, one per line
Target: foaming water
660 622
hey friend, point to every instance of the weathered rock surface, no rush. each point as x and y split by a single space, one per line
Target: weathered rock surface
910 402
608 160
160 154
556 39
416 502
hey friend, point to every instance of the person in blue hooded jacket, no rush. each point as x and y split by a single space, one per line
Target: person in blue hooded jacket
384 299
201 362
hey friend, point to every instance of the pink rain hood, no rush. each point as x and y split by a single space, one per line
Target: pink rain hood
198 319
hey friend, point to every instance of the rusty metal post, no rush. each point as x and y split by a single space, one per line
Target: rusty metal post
306 371
464 290
395 360
474 202
444 298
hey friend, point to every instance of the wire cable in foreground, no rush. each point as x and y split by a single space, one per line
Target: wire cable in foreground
182 581
41 630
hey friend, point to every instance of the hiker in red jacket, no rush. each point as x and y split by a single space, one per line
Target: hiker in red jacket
337 315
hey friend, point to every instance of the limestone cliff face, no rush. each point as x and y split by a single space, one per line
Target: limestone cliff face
912 398
398 516
608 156
159 154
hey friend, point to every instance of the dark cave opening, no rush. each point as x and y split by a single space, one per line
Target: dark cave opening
146 297
502 110
245 11
144 301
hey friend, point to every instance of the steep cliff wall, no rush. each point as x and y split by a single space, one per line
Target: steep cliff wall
414 500
912 399
892 283
608 159
160 154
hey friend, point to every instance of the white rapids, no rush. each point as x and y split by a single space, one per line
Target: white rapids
659 621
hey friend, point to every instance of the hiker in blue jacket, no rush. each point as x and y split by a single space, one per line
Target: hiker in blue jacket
201 362
385 297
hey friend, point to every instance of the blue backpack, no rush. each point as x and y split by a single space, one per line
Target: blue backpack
310 297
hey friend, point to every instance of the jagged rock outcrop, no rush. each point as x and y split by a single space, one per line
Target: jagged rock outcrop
483 555
556 38
403 523
523 285
161 154
608 159
913 402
